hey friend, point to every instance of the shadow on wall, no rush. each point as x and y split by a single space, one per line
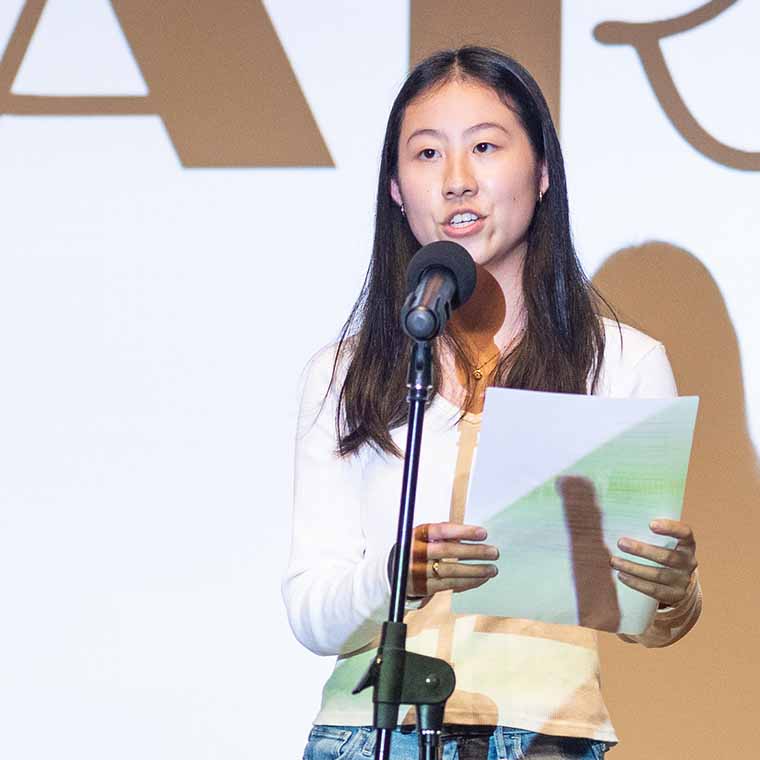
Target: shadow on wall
709 681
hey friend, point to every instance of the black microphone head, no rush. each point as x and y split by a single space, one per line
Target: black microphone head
451 256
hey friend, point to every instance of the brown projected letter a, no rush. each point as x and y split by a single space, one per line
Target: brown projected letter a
216 74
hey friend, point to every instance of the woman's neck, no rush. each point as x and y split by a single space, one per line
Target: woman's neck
494 315
489 323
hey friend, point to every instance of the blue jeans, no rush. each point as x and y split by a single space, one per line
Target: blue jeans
459 743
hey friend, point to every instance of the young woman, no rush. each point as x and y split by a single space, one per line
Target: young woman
470 155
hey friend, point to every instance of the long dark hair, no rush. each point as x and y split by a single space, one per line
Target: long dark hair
563 340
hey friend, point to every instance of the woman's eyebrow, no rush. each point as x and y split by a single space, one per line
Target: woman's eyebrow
486 125
469 130
418 132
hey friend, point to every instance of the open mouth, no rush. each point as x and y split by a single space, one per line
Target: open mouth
463 219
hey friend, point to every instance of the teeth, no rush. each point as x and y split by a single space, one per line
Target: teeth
465 218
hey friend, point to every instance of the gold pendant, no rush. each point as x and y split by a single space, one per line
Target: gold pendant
477 374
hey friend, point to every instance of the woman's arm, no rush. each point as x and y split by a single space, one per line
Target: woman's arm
336 591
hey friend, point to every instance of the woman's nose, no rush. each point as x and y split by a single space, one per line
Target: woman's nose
459 178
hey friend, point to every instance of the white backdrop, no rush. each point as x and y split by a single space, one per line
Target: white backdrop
154 320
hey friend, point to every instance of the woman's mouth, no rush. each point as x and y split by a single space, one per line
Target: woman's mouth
463 223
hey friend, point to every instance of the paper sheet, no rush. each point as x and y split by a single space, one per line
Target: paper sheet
557 479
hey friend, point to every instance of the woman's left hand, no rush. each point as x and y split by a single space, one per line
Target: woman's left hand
666 584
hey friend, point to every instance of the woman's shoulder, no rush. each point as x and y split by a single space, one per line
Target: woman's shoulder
323 375
626 344
633 364
327 364
320 363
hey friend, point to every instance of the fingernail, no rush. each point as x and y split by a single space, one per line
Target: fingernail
493 553
624 543
481 533
655 525
494 571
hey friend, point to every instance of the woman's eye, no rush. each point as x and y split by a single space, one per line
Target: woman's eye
484 147
428 153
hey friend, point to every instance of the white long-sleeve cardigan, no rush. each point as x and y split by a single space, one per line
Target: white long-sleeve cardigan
510 672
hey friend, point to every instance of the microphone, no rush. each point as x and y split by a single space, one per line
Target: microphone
440 278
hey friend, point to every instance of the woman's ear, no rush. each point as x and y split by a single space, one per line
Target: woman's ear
396 193
543 181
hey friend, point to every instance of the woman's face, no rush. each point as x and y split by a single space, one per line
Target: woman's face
467 172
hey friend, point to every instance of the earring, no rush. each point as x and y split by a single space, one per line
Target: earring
540 196
403 213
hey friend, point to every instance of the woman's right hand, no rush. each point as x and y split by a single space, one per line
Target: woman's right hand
436 547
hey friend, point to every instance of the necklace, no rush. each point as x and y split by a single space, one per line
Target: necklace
476 371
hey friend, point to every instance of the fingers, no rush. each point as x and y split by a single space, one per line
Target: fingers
458 576
459 570
674 528
440 575
431 532
668 581
660 576
436 549
452 550
675 558
670 595
443 541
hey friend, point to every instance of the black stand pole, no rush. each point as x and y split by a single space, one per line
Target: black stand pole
401 677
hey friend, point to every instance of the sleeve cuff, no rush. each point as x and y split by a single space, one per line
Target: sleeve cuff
672 623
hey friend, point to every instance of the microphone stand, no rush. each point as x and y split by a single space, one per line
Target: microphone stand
397 676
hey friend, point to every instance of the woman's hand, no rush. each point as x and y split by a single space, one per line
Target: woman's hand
666 584
435 549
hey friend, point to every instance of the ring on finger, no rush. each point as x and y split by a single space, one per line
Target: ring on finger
434 568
